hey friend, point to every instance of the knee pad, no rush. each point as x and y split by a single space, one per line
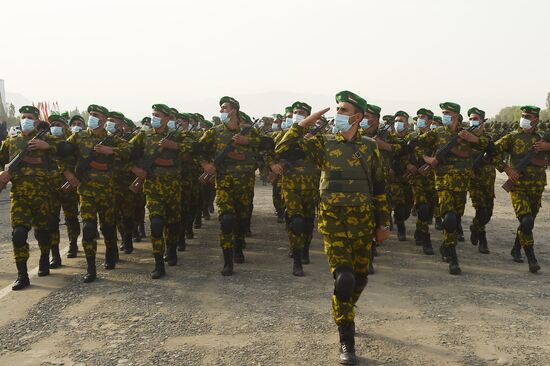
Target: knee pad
344 283
423 212
109 232
361 280
402 213
482 215
89 229
42 236
450 222
228 223
157 227
19 235
527 222
297 225
72 222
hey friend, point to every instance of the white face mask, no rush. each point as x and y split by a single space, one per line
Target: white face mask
433 126
297 118
525 123
399 126
474 123
76 129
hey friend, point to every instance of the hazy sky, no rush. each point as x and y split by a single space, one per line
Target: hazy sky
127 55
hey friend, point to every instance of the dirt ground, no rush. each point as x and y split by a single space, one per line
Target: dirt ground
412 312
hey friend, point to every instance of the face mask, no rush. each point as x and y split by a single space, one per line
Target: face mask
171 125
399 126
224 117
341 122
145 128
364 123
433 126
27 125
447 120
275 126
76 129
474 123
155 122
189 127
93 122
525 123
297 118
421 123
287 124
56 131
110 127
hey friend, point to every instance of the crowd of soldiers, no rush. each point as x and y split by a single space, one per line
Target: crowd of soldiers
359 175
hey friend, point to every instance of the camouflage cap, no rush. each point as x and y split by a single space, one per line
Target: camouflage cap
56 118
231 101
99 109
401 114
352 98
30 109
374 109
117 115
425 111
245 118
450 106
526 108
477 111
301 105
76 117
162 108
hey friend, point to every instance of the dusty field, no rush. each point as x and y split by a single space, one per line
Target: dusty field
412 313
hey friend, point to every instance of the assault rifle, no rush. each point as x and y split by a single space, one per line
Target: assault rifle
528 159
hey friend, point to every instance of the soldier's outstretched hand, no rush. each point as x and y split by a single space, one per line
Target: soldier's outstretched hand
313 118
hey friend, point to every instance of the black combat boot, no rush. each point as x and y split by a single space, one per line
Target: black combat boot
22 280
182 245
159 271
110 257
531 259
90 275
280 217
238 251
444 251
205 213
438 223
347 344
427 244
305 252
44 265
454 268
483 247
297 269
73 249
227 262
136 234
516 251
375 249
56 257
128 244
172 254
198 221
418 237
401 231
474 235
460 232
189 234
141 229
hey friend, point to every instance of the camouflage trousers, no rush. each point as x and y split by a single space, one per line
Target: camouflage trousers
423 191
99 202
482 194
190 201
451 201
348 235
234 196
125 202
163 196
401 199
68 201
300 203
277 198
526 202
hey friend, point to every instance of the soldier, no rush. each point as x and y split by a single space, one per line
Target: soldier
299 186
482 185
353 207
528 148
278 132
452 163
76 124
139 214
31 194
162 146
234 178
92 172
62 199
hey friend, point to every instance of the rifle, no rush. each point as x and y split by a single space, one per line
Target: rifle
137 185
15 164
206 178
528 159
441 154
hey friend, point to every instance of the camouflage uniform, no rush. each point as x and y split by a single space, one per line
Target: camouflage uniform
400 188
277 196
125 201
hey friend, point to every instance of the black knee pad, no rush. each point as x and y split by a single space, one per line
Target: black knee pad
73 222
423 212
526 224
42 236
450 222
482 215
228 223
297 224
344 283
361 280
89 230
173 228
157 227
108 232
402 213
19 235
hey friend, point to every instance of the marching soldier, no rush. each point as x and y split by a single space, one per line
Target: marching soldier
139 214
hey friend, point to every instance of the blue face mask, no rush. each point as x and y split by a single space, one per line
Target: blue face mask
275 126
171 125
56 131
93 122
341 122
155 122
364 123
421 123
447 120
399 126
27 125
224 117
433 126
110 127
145 128
474 123
76 129
287 124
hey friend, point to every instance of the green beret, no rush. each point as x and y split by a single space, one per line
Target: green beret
99 109
199 117
438 119
56 118
277 117
425 111
65 115
116 115
301 105
526 108
387 118
129 122
374 109
163 108
288 110
30 109
183 116
401 114
245 118
145 120
450 106
174 111
208 123
477 111
349 97
76 117
231 101
415 119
